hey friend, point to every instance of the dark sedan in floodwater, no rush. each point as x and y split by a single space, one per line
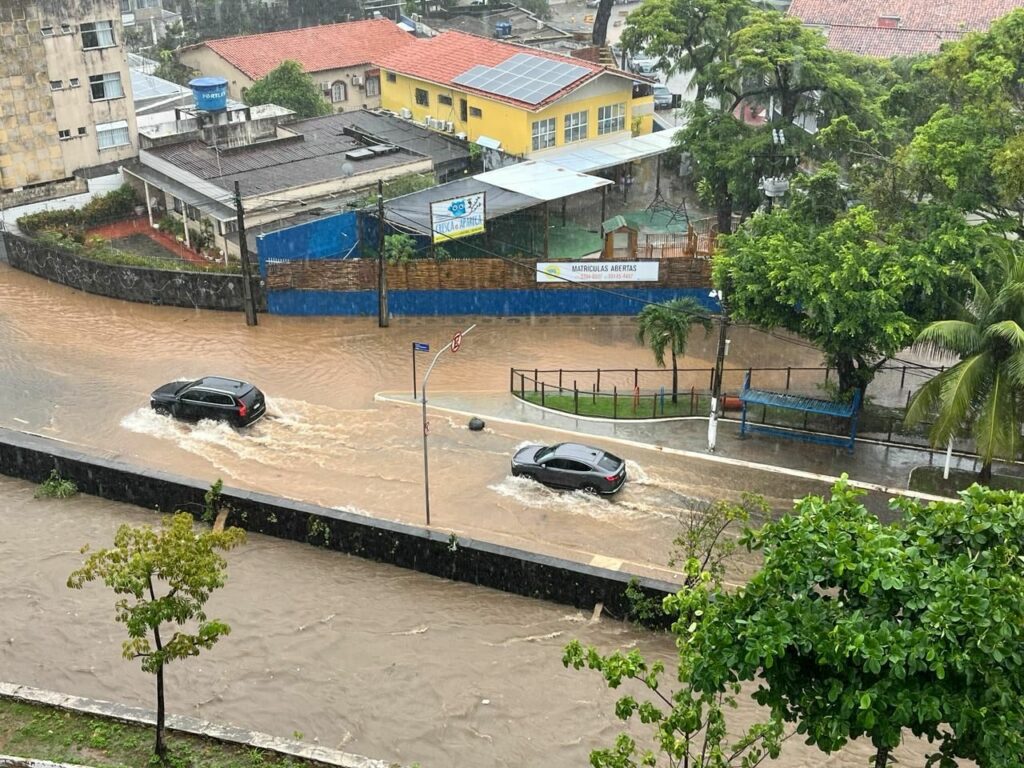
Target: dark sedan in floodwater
571 465
211 397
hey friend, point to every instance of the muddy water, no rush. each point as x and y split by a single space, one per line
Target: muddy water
352 654
80 367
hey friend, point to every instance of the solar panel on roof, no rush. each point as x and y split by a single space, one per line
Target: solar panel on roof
522 77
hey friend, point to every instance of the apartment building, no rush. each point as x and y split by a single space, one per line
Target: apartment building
65 96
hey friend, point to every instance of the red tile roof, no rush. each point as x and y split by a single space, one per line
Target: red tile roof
923 25
443 58
331 46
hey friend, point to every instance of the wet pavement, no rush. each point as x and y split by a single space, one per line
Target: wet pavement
882 470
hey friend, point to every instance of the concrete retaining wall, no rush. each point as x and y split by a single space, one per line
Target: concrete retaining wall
199 290
432 551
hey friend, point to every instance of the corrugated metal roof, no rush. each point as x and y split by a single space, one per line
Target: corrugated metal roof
543 180
412 211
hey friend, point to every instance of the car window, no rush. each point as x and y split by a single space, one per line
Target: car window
609 463
576 466
554 463
216 398
543 453
195 395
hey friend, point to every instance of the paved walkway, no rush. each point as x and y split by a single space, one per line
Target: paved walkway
880 469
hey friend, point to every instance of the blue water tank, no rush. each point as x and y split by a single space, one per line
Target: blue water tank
210 93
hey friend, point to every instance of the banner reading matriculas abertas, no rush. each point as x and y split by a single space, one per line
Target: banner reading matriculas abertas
597 271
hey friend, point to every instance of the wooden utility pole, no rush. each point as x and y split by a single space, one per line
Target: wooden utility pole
248 299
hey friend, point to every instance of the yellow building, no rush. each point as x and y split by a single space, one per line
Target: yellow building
524 99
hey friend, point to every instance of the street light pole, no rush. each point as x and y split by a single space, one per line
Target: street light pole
716 378
454 346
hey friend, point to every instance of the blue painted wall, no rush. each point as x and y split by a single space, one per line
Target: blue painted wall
506 302
332 237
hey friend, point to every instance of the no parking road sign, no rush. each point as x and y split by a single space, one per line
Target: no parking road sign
456 342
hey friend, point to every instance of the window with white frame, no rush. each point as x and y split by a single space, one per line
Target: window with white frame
373 86
575 126
108 86
338 91
64 134
544 134
97 34
611 119
109 135
56 85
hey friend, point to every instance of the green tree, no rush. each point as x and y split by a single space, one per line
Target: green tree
859 287
686 35
689 726
164 579
539 8
971 152
288 86
983 391
856 628
667 326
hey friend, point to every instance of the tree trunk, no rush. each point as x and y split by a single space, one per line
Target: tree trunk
604 14
161 748
882 757
724 209
985 476
847 371
675 379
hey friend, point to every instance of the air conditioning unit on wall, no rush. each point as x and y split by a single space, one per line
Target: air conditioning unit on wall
406 113
449 127
357 81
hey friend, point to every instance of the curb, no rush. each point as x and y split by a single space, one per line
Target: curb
139 716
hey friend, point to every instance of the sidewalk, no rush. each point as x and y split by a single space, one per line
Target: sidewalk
882 470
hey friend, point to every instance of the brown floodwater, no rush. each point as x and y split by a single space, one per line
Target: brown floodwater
355 655
80 368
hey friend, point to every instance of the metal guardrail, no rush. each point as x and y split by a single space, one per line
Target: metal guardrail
646 393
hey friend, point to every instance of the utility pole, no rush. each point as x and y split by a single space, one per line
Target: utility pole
382 268
248 299
716 378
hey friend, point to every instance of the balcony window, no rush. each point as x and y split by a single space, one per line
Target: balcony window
97 34
106 86
109 135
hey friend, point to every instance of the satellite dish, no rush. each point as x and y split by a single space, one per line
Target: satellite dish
347 169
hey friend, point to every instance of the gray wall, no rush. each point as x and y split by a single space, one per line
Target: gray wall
201 290
432 551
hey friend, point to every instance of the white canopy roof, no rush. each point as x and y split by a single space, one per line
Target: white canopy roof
591 157
542 180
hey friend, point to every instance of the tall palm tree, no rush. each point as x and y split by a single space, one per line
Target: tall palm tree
667 326
984 390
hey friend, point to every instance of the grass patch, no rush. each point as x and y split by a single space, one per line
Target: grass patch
45 733
929 480
623 407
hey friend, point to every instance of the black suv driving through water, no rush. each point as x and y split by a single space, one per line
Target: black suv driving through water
212 397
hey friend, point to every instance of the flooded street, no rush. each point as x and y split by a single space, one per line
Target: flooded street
356 655
80 368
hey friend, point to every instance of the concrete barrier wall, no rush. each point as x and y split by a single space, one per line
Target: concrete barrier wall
432 551
200 290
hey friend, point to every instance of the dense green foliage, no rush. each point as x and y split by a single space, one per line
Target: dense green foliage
288 86
852 628
163 580
102 209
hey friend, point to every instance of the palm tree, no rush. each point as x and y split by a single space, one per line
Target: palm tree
667 326
983 391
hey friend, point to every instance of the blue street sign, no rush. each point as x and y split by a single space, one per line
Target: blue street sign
419 346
